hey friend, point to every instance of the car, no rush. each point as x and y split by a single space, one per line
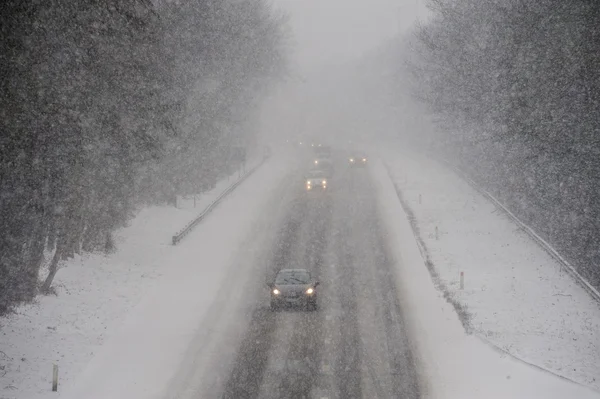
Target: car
316 179
294 288
322 150
358 159
323 164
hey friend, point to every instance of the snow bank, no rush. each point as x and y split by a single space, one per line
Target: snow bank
110 309
506 302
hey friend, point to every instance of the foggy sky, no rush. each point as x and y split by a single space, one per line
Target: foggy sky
322 97
331 31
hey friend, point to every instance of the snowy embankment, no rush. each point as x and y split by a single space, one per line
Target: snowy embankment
119 322
526 315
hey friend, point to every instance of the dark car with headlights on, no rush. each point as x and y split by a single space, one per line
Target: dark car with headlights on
315 180
294 288
357 160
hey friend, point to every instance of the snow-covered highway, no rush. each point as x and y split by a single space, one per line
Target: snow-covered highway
354 346
202 327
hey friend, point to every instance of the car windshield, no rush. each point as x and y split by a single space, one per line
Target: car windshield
293 277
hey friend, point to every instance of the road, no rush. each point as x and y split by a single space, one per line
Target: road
354 346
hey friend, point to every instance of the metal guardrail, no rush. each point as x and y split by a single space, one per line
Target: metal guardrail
190 226
593 292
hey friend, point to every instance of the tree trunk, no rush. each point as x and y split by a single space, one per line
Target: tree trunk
53 266
109 245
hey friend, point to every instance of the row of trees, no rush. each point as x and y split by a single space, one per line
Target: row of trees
515 86
106 105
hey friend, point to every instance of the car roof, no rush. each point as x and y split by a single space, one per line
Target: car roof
291 271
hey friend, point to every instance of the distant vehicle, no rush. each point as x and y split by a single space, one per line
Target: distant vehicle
316 179
322 151
358 159
294 287
323 164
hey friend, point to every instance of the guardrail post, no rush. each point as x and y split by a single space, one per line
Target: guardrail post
54 378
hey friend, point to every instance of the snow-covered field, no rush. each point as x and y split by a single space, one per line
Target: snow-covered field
517 298
114 303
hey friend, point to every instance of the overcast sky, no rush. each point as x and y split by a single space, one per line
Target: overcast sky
323 95
330 31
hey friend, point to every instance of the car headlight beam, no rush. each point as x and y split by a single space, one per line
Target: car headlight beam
276 291
310 291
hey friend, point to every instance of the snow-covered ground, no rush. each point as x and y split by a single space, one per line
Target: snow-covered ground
117 303
124 332
518 300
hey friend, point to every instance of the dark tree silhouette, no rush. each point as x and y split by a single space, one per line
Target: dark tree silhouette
515 85
108 105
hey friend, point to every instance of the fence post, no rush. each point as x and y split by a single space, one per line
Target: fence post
54 378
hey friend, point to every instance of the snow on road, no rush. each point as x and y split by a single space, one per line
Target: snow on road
517 297
132 325
116 307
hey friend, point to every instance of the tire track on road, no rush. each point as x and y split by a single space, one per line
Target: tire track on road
348 362
304 352
246 377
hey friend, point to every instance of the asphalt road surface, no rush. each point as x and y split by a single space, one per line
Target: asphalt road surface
354 346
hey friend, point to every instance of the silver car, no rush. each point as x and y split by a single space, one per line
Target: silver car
294 288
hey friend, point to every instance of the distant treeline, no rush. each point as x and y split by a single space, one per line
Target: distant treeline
515 87
108 105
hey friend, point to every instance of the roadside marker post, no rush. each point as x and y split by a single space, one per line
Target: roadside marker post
462 280
54 378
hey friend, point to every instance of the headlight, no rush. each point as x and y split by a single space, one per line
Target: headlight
351 159
276 292
364 159
324 181
316 162
310 291
308 182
